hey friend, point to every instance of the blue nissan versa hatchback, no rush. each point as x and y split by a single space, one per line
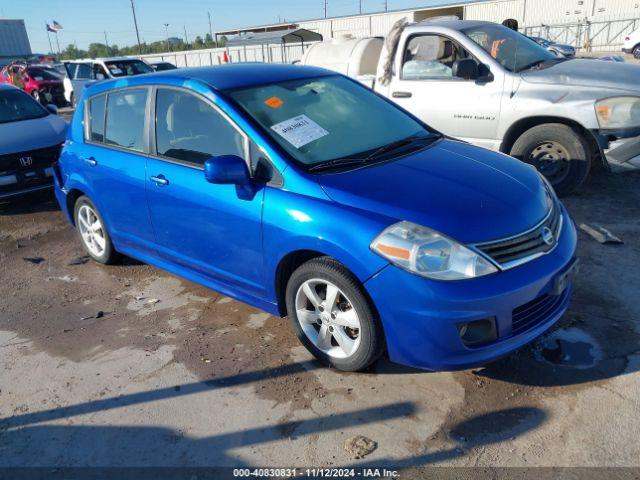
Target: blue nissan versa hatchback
305 194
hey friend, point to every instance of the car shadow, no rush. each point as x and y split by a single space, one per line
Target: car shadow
38 439
30 203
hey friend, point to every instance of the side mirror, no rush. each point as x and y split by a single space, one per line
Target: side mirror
227 170
52 108
466 68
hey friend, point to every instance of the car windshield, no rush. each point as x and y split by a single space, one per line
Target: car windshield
512 50
40 74
125 68
329 119
16 106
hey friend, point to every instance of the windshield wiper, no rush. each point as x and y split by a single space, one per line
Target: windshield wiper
338 163
542 63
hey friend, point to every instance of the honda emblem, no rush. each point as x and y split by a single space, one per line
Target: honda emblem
26 161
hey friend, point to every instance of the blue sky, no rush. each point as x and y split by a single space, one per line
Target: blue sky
85 21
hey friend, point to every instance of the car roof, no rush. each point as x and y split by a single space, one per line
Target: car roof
223 77
452 24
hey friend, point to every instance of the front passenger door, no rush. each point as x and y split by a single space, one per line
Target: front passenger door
212 230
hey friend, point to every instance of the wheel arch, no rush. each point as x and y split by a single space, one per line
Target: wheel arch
71 198
521 126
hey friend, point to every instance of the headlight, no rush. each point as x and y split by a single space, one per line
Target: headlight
428 253
618 112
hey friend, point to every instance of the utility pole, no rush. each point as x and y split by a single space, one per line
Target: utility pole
211 30
106 40
325 8
135 22
386 5
186 39
360 7
166 31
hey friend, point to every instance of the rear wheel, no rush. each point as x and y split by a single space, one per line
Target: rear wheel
332 316
558 152
92 232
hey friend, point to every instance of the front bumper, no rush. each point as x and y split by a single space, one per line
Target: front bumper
627 50
420 316
14 185
623 154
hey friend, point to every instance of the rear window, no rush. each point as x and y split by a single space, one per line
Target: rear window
125 118
124 68
40 74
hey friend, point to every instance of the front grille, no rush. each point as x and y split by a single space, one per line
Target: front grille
537 311
515 250
41 158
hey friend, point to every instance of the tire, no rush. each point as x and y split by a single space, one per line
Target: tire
636 52
352 306
557 151
106 255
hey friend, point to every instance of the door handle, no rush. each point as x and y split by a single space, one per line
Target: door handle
401 94
90 161
159 180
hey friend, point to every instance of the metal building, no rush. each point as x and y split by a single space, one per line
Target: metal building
14 41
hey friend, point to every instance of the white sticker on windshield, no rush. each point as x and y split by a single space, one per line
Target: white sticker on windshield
115 70
299 131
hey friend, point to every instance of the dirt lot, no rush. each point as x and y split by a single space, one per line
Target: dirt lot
130 366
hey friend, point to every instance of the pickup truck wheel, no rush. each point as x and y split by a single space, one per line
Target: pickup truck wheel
93 233
636 52
332 316
558 152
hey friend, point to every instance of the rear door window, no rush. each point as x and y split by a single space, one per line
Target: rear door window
125 118
191 130
96 118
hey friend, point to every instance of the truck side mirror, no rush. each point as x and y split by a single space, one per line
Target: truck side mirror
466 68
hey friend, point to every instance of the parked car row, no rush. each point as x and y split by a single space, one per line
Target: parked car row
43 83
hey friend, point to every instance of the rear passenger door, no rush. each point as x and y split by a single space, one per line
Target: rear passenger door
113 161
212 230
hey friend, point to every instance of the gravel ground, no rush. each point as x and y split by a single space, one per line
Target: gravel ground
130 366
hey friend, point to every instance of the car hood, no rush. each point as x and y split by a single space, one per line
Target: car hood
588 73
466 192
32 134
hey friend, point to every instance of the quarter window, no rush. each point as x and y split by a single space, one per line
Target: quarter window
96 118
125 119
431 57
191 130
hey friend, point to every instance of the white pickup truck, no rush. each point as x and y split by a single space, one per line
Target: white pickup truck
491 86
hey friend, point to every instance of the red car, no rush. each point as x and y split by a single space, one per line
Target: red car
44 84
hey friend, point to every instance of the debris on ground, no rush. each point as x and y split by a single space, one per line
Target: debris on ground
98 315
79 260
34 260
153 301
601 234
359 446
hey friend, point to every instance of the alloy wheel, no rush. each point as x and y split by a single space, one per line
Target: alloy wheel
91 230
327 318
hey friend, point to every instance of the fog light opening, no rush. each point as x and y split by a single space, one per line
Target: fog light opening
478 332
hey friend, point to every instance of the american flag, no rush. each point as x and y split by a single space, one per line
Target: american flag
57 26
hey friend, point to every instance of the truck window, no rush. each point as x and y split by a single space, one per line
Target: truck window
429 57
82 72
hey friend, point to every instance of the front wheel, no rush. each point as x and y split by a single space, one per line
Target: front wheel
332 316
92 232
558 152
636 52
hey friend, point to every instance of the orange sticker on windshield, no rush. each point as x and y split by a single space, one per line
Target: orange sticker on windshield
274 102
